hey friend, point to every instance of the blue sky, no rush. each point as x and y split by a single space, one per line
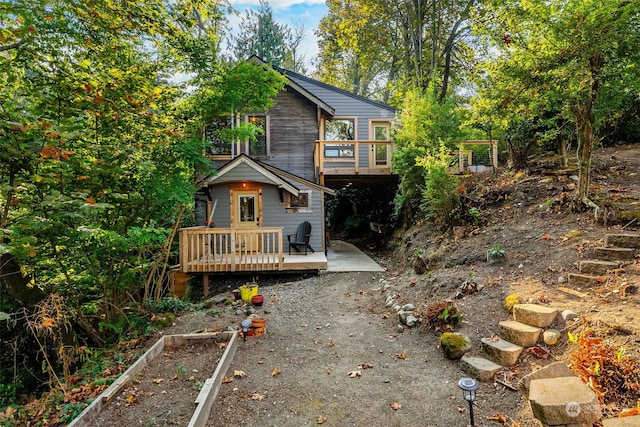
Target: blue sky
290 12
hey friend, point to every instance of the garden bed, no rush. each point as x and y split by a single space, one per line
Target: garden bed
175 382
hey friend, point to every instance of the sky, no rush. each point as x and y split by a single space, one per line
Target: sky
291 13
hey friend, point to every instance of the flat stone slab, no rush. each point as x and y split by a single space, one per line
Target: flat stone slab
553 370
500 351
534 314
614 254
519 333
563 401
584 279
623 240
633 421
479 368
594 266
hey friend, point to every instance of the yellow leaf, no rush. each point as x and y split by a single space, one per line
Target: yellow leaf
275 372
158 380
396 405
322 419
239 374
402 356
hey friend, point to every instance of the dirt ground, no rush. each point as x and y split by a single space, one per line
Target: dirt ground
333 353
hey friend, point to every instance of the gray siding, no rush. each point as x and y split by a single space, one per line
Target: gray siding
275 213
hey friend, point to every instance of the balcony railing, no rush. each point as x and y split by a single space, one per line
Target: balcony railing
353 157
209 250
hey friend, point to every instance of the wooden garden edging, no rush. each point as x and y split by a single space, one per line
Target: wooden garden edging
207 395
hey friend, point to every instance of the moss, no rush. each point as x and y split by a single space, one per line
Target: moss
629 215
510 301
163 320
454 345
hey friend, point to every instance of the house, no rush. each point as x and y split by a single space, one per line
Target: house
317 138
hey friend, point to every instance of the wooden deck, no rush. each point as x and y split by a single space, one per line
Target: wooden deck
225 250
349 158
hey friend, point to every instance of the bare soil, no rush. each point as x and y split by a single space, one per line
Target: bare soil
333 353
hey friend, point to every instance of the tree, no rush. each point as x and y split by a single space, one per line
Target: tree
384 48
261 35
570 60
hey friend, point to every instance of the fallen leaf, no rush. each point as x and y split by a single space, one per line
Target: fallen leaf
384 315
328 371
396 405
322 419
239 374
462 409
365 366
402 356
331 344
275 372
130 399
227 380
243 395
175 377
540 352
347 294
495 338
546 237
191 378
257 396
158 380
222 345
362 292
354 374
317 342
498 417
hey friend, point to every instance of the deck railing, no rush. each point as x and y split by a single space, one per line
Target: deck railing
208 250
351 158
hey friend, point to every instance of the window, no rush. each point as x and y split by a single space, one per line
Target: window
217 136
339 130
299 203
258 147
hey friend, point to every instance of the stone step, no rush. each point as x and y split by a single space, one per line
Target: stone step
553 370
519 333
564 401
479 368
500 351
534 314
614 254
623 240
632 421
585 279
597 267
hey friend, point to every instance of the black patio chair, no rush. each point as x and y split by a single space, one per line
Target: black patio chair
301 238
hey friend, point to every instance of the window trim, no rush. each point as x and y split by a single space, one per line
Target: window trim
267 134
355 126
298 209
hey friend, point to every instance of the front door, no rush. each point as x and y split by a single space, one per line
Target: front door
380 154
246 211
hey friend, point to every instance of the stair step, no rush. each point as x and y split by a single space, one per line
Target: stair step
632 421
623 240
500 351
519 333
614 254
597 267
479 368
585 279
553 370
534 314
564 401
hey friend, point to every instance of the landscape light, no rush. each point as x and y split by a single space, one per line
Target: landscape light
469 387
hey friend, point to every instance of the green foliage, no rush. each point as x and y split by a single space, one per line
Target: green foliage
170 304
495 252
441 199
474 213
451 316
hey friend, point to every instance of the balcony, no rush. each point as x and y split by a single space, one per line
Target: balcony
352 158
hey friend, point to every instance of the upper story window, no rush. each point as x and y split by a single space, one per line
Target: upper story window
381 131
259 146
339 129
217 136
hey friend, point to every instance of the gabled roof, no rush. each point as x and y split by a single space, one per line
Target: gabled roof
243 159
272 174
295 86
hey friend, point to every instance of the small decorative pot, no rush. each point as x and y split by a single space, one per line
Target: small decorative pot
257 300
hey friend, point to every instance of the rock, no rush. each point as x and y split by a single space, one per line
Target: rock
396 307
406 317
454 345
568 315
390 302
411 321
632 421
551 337
400 328
519 333
500 351
534 315
408 307
563 401
554 370
239 311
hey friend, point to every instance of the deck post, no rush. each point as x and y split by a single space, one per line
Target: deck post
205 280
